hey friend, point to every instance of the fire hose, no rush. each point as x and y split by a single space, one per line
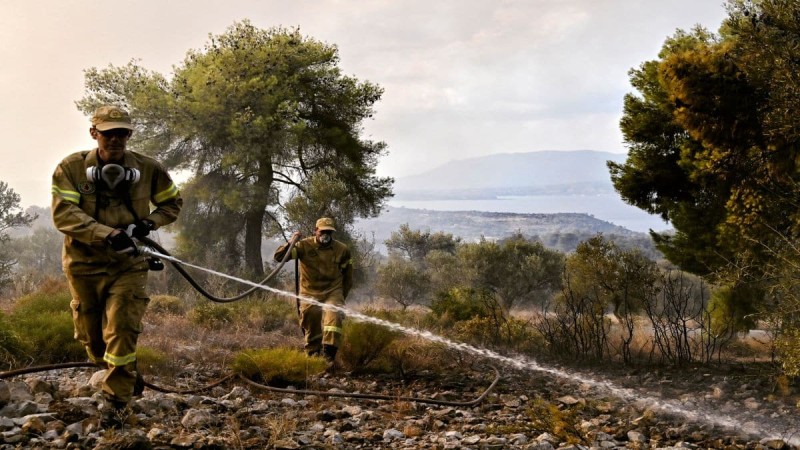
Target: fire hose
154 245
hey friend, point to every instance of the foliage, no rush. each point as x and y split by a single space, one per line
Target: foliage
403 281
151 359
166 304
563 424
277 366
364 342
788 348
10 216
43 322
270 129
211 315
513 334
462 304
12 349
415 245
516 270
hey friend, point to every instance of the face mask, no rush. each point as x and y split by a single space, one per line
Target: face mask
325 239
112 174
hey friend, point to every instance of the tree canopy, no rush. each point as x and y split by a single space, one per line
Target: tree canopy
269 128
713 140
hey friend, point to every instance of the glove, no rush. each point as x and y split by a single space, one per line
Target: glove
142 228
122 243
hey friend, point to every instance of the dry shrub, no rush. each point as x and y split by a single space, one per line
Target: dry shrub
277 366
561 423
410 355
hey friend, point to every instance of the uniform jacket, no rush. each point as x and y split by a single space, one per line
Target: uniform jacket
323 269
87 212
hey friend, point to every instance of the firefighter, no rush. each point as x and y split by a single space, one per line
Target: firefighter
326 275
98 195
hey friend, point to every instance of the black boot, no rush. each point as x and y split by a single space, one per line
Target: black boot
329 352
138 385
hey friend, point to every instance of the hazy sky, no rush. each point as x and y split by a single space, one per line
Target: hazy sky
462 78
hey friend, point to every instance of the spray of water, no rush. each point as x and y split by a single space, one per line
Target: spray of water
525 363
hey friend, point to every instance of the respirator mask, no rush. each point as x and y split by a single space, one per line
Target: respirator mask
325 238
112 174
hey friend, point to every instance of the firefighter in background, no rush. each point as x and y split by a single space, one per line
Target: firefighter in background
98 195
326 274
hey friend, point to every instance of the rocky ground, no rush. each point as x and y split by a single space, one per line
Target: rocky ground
726 408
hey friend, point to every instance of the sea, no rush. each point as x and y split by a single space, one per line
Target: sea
607 207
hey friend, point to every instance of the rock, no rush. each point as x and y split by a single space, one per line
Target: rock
453 436
5 393
186 441
471 440
635 436
38 386
568 400
391 434
773 443
97 379
195 418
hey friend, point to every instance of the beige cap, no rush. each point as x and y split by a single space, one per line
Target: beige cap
109 117
325 223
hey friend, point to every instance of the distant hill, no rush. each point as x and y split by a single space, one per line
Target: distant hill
522 173
560 231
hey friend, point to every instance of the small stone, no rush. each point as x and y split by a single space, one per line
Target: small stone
97 379
568 400
195 418
635 436
392 434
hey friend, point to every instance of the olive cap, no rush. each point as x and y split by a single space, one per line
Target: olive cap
108 117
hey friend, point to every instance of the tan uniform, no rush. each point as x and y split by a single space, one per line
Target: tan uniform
326 274
108 289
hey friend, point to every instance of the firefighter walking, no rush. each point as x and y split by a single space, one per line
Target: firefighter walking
97 196
326 275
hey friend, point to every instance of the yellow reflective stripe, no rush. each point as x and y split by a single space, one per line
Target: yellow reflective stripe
294 253
119 360
166 194
332 329
349 262
70 196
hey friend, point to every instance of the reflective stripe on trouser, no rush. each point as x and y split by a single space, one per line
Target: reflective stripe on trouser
107 315
322 326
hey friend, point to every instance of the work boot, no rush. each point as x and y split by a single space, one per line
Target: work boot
138 385
329 352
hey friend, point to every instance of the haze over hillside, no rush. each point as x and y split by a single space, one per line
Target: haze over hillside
516 170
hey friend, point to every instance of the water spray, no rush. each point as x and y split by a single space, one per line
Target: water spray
524 363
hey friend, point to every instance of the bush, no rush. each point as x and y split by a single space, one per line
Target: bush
277 366
409 355
167 304
266 314
43 322
462 304
363 342
151 359
511 333
12 349
211 315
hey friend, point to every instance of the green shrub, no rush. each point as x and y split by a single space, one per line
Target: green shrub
462 304
151 359
167 304
211 315
265 314
277 366
363 342
12 349
43 322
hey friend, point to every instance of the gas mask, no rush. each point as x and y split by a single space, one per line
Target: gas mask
112 174
325 238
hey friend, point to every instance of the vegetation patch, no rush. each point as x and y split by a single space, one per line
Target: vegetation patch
277 366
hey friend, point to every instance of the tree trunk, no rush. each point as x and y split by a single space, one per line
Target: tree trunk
254 220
